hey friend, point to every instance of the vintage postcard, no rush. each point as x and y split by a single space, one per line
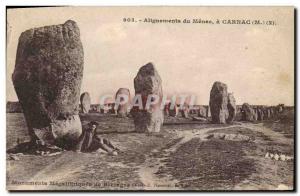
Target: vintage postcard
150 98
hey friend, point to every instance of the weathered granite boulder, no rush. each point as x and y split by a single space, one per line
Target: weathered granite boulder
147 84
122 102
47 80
231 106
218 103
85 102
247 112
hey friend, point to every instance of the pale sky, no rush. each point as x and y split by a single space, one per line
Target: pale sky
255 61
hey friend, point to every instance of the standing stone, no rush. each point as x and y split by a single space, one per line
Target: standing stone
280 108
255 115
208 113
272 111
218 103
231 106
166 110
111 108
184 110
85 102
47 80
202 111
269 113
260 115
193 111
103 111
238 115
96 108
247 112
265 112
148 82
173 110
122 108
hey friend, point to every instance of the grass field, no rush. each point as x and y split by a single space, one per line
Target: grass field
186 155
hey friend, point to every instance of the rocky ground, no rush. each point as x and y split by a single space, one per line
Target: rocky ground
186 155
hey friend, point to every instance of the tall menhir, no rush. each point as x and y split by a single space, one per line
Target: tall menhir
222 104
148 83
47 80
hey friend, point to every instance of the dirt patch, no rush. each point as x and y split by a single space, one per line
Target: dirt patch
209 165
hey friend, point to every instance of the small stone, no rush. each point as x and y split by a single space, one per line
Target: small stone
283 187
199 119
222 136
288 158
282 157
267 155
155 151
13 157
209 136
276 157
53 154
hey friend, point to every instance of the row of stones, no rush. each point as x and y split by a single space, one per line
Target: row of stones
47 79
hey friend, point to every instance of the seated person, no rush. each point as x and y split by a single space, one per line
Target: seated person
90 142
